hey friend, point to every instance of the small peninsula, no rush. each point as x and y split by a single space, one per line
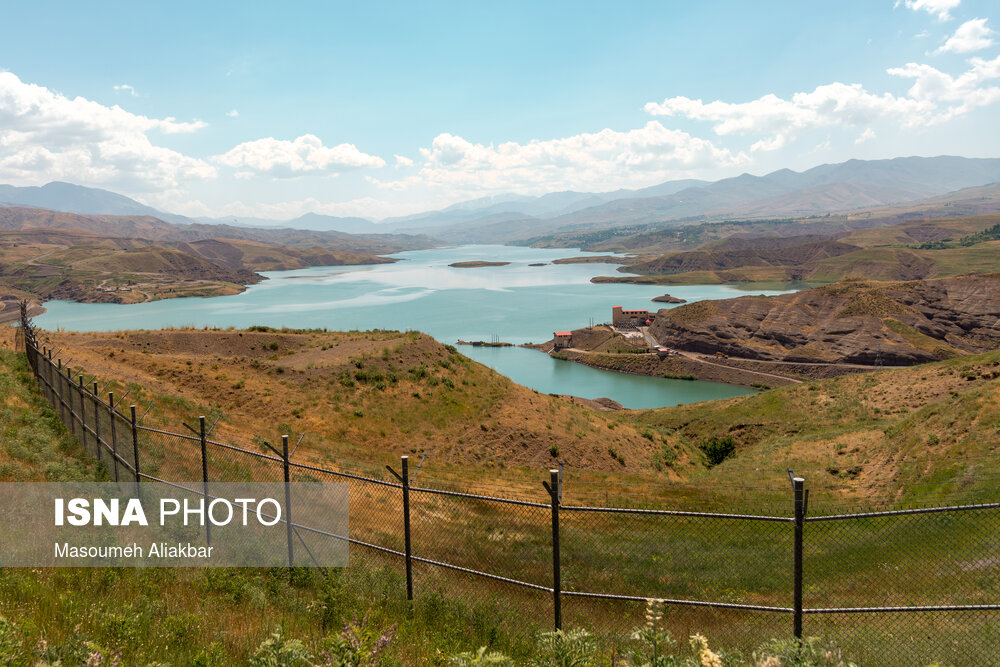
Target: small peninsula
476 264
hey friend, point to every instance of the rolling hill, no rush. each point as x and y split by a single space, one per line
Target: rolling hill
904 251
75 261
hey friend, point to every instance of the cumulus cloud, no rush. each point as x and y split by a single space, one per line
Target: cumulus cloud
287 159
402 161
940 8
952 96
125 88
971 36
599 160
934 97
46 135
233 114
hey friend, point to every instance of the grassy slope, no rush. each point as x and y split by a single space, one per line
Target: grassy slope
867 436
857 436
364 398
216 616
910 435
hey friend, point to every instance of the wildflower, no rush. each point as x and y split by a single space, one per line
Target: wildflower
654 612
706 657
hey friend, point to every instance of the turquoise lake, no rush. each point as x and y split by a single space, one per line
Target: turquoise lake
517 303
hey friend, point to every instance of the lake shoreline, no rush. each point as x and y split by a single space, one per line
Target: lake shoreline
516 303
669 368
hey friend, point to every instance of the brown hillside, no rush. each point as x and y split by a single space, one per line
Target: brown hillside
364 398
861 322
16 218
257 256
748 253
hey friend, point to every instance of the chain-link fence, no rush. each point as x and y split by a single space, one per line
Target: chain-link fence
905 587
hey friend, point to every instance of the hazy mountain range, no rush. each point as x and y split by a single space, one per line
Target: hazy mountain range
828 188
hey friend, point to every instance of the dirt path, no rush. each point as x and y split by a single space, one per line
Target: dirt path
701 359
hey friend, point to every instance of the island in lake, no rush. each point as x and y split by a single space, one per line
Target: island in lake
476 264
667 298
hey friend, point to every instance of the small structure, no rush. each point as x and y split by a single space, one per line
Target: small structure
563 339
636 318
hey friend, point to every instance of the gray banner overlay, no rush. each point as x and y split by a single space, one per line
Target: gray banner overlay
187 524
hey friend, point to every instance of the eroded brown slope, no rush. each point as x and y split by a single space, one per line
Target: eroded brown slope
899 323
364 398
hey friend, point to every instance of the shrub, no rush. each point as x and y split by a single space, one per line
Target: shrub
665 457
717 450
358 645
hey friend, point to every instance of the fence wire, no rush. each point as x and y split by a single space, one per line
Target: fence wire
895 587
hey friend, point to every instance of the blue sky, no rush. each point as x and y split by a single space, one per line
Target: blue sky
380 109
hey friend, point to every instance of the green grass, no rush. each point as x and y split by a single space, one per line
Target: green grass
210 616
929 559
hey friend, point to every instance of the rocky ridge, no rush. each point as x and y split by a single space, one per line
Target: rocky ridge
854 322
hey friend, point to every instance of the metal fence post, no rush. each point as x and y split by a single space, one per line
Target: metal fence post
553 488
135 447
288 499
52 388
47 375
798 485
74 418
406 526
97 422
114 431
59 391
39 373
204 473
83 417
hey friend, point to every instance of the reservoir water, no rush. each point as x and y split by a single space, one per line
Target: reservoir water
517 303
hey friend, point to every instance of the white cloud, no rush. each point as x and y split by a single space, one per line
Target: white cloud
971 36
867 135
783 119
402 161
45 135
601 160
952 96
287 159
933 98
941 8
233 114
125 88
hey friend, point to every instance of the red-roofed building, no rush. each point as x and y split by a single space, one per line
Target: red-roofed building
563 339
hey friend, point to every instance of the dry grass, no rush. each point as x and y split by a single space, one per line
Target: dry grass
363 398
